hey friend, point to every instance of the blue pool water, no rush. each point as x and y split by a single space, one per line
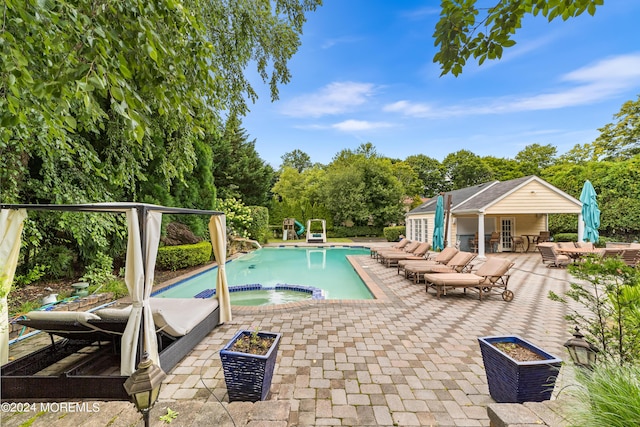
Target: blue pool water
323 268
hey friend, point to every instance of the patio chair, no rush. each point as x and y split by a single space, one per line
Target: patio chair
631 256
612 252
545 236
409 248
551 257
492 274
585 245
390 259
399 245
435 258
108 324
494 241
457 264
517 242
473 243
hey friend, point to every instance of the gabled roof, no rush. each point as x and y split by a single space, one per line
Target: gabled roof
457 197
480 197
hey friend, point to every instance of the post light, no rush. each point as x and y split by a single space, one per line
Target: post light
582 352
143 386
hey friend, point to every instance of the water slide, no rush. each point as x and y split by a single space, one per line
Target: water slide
300 228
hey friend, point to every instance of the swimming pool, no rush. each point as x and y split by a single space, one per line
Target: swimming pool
326 268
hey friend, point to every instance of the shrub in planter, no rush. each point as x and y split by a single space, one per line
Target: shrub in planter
248 362
510 377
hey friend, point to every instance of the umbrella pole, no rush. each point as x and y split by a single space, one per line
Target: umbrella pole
446 221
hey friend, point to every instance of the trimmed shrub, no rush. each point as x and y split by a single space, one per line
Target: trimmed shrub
565 237
355 231
259 228
176 257
392 234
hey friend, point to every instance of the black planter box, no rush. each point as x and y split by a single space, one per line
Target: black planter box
248 376
511 381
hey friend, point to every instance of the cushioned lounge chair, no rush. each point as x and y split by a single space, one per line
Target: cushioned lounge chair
432 258
181 323
457 264
631 256
550 256
492 274
409 248
390 259
400 245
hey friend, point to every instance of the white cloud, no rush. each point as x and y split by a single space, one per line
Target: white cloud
420 13
587 85
359 125
335 98
329 43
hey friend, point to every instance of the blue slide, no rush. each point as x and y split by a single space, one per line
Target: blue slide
301 228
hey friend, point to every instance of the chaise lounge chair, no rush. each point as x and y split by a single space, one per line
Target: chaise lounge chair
181 323
390 259
492 274
398 246
551 257
457 264
435 258
408 248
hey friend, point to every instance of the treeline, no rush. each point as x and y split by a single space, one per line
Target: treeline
362 188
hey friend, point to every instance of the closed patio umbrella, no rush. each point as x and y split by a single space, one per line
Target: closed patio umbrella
590 212
438 227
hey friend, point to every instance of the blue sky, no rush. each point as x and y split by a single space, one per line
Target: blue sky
365 73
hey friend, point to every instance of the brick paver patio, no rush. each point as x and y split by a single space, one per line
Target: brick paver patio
410 359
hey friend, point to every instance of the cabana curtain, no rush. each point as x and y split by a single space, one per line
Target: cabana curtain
11 223
218 232
139 280
142 251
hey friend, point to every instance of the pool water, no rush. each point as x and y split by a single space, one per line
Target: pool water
324 268
267 297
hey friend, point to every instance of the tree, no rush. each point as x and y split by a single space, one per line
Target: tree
362 189
465 169
620 140
290 184
465 30
534 158
408 178
297 159
71 67
502 169
431 172
245 175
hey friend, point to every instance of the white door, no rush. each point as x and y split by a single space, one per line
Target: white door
507 226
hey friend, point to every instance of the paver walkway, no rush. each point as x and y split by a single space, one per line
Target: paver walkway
410 360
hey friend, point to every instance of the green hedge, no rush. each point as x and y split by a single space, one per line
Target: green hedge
565 237
392 234
183 256
355 231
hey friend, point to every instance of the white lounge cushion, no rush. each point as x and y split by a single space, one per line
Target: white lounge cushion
178 316
111 313
62 316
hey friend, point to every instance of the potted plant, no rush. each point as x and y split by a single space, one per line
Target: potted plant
248 361
518 370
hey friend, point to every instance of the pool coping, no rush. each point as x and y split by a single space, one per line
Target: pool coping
379 296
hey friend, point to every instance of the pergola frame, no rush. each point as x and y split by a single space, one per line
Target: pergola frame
18 379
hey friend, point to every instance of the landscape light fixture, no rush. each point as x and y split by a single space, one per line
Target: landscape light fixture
582 352
143 386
